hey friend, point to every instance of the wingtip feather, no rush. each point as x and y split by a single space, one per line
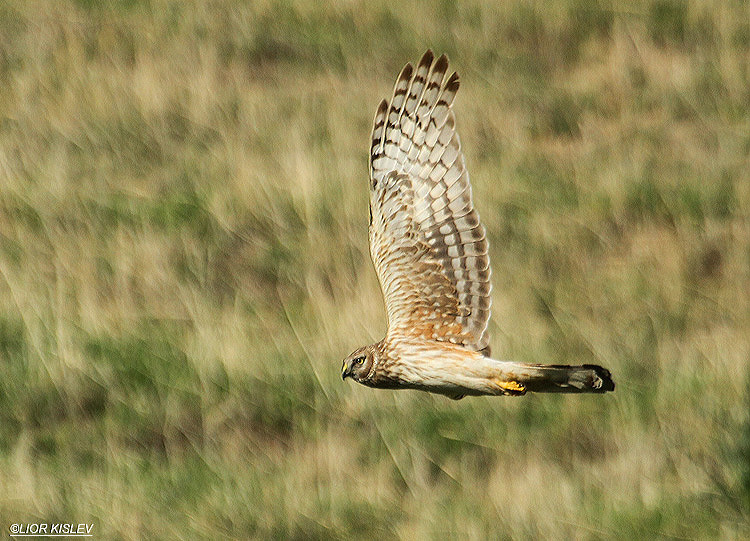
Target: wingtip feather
441 64
427 58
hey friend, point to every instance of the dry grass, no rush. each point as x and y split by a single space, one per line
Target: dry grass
183 262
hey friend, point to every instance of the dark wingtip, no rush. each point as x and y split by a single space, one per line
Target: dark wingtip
453 82
406 72
441 64
427 58
605 377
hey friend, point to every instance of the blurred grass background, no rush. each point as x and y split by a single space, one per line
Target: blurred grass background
184 263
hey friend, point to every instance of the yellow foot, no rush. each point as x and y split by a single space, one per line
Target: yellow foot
511 388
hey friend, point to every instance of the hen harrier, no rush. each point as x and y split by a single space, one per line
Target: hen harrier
430 254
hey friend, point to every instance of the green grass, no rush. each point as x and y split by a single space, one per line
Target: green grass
184 262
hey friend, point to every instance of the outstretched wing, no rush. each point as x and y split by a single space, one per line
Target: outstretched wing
426 241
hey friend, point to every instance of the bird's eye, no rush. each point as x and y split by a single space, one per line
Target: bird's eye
359 360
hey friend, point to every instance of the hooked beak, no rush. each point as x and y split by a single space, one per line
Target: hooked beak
346 371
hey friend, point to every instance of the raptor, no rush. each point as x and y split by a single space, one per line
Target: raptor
431 256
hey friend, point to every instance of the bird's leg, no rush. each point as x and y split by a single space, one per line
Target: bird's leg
496 377
510 387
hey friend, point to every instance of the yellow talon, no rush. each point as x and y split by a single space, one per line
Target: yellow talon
512 388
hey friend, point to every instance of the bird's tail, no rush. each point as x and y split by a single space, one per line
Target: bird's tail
554 378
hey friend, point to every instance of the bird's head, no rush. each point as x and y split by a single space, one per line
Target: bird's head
360 364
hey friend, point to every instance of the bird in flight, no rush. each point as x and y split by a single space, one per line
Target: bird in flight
431 257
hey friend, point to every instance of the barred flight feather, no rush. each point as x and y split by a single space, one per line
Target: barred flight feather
431 256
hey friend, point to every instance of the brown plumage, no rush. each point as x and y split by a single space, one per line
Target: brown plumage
431 257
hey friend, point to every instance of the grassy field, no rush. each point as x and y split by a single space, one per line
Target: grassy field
184 264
